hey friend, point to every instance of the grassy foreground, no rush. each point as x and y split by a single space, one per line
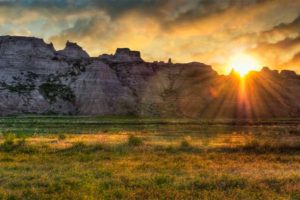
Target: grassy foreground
150 164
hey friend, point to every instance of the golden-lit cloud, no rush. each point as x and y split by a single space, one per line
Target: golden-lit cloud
278 53
209 31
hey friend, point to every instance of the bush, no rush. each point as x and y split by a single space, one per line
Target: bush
52 91
62 136
21 142
7 146
10 143
9 136
134 141
162 180
185 145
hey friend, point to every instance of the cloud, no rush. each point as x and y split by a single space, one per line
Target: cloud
293 64
275 54
165 10
209 31
283 30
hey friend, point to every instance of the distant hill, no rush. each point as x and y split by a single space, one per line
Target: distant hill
35 78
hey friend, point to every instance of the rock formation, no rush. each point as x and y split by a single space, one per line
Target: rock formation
35 78
72 50
123 55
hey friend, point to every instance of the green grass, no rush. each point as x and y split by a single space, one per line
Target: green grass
32 124
147 160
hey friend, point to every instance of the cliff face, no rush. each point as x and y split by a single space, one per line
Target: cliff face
35 78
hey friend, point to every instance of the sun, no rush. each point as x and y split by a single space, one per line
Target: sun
243 63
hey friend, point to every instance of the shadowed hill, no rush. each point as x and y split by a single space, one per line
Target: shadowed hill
35 78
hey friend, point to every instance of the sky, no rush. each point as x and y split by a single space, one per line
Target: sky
208 31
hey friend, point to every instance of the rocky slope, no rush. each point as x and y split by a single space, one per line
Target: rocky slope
35 78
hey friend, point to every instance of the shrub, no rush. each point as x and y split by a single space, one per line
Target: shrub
185 145
21 142
134 141
18 87
10 143
7 146
9 136
162 180
52 91
62 136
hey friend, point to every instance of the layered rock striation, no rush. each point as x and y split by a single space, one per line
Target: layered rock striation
35 78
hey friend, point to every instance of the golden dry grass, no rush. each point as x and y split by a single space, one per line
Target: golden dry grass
105 166
93 158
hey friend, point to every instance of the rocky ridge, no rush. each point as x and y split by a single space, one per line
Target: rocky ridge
35 78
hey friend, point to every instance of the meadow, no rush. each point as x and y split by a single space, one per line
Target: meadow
50 157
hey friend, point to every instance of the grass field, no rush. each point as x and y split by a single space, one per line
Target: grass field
44 157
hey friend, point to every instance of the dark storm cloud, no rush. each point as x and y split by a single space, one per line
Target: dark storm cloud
167 10
206 30
167 13
33 3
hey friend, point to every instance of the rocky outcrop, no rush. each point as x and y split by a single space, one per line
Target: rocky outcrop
72 50
126 55
288 74
123 55
35 78
24 46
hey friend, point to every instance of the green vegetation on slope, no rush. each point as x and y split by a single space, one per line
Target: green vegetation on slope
52 91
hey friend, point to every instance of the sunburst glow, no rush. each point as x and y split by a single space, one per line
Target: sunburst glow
243 63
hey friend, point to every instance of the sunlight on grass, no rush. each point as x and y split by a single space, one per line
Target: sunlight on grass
210 162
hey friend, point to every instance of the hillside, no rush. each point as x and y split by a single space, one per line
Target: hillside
37 79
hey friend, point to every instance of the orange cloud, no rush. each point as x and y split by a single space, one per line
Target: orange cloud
206 31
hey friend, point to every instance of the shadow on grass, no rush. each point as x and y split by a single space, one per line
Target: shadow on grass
220 183
17 146
251 147
183 147
264 147
80 147
132 143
